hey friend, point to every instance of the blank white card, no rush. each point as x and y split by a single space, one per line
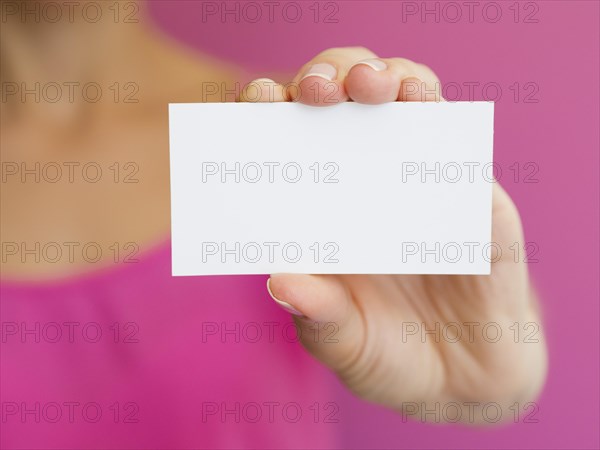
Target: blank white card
400 188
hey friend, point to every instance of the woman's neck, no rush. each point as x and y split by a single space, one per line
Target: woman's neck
47 66
35 49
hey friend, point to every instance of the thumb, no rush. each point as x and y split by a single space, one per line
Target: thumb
330 324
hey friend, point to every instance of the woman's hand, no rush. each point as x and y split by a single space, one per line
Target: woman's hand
394 339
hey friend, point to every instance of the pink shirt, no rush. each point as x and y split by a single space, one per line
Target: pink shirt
130 357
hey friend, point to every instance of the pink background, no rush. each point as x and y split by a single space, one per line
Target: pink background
559 133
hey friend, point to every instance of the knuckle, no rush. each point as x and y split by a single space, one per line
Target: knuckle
426 69
406 65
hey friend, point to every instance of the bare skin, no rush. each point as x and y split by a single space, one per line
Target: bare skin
372 356
101 133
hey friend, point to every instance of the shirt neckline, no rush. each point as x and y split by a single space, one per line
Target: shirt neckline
155 253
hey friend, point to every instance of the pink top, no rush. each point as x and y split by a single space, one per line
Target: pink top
130 357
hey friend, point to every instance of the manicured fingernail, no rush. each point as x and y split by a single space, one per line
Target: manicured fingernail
264 80
285 305
322 70
375 64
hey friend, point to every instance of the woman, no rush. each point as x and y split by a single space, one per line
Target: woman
101 347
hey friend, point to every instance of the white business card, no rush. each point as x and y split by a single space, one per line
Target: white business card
399 188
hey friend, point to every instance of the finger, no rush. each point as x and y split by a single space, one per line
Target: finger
423 86
507 230
329 322
320 82
263 90
375 81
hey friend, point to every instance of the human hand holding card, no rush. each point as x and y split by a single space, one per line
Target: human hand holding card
399 188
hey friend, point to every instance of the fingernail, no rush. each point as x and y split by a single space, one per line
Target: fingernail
375 64
285 305
322 70
264 80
